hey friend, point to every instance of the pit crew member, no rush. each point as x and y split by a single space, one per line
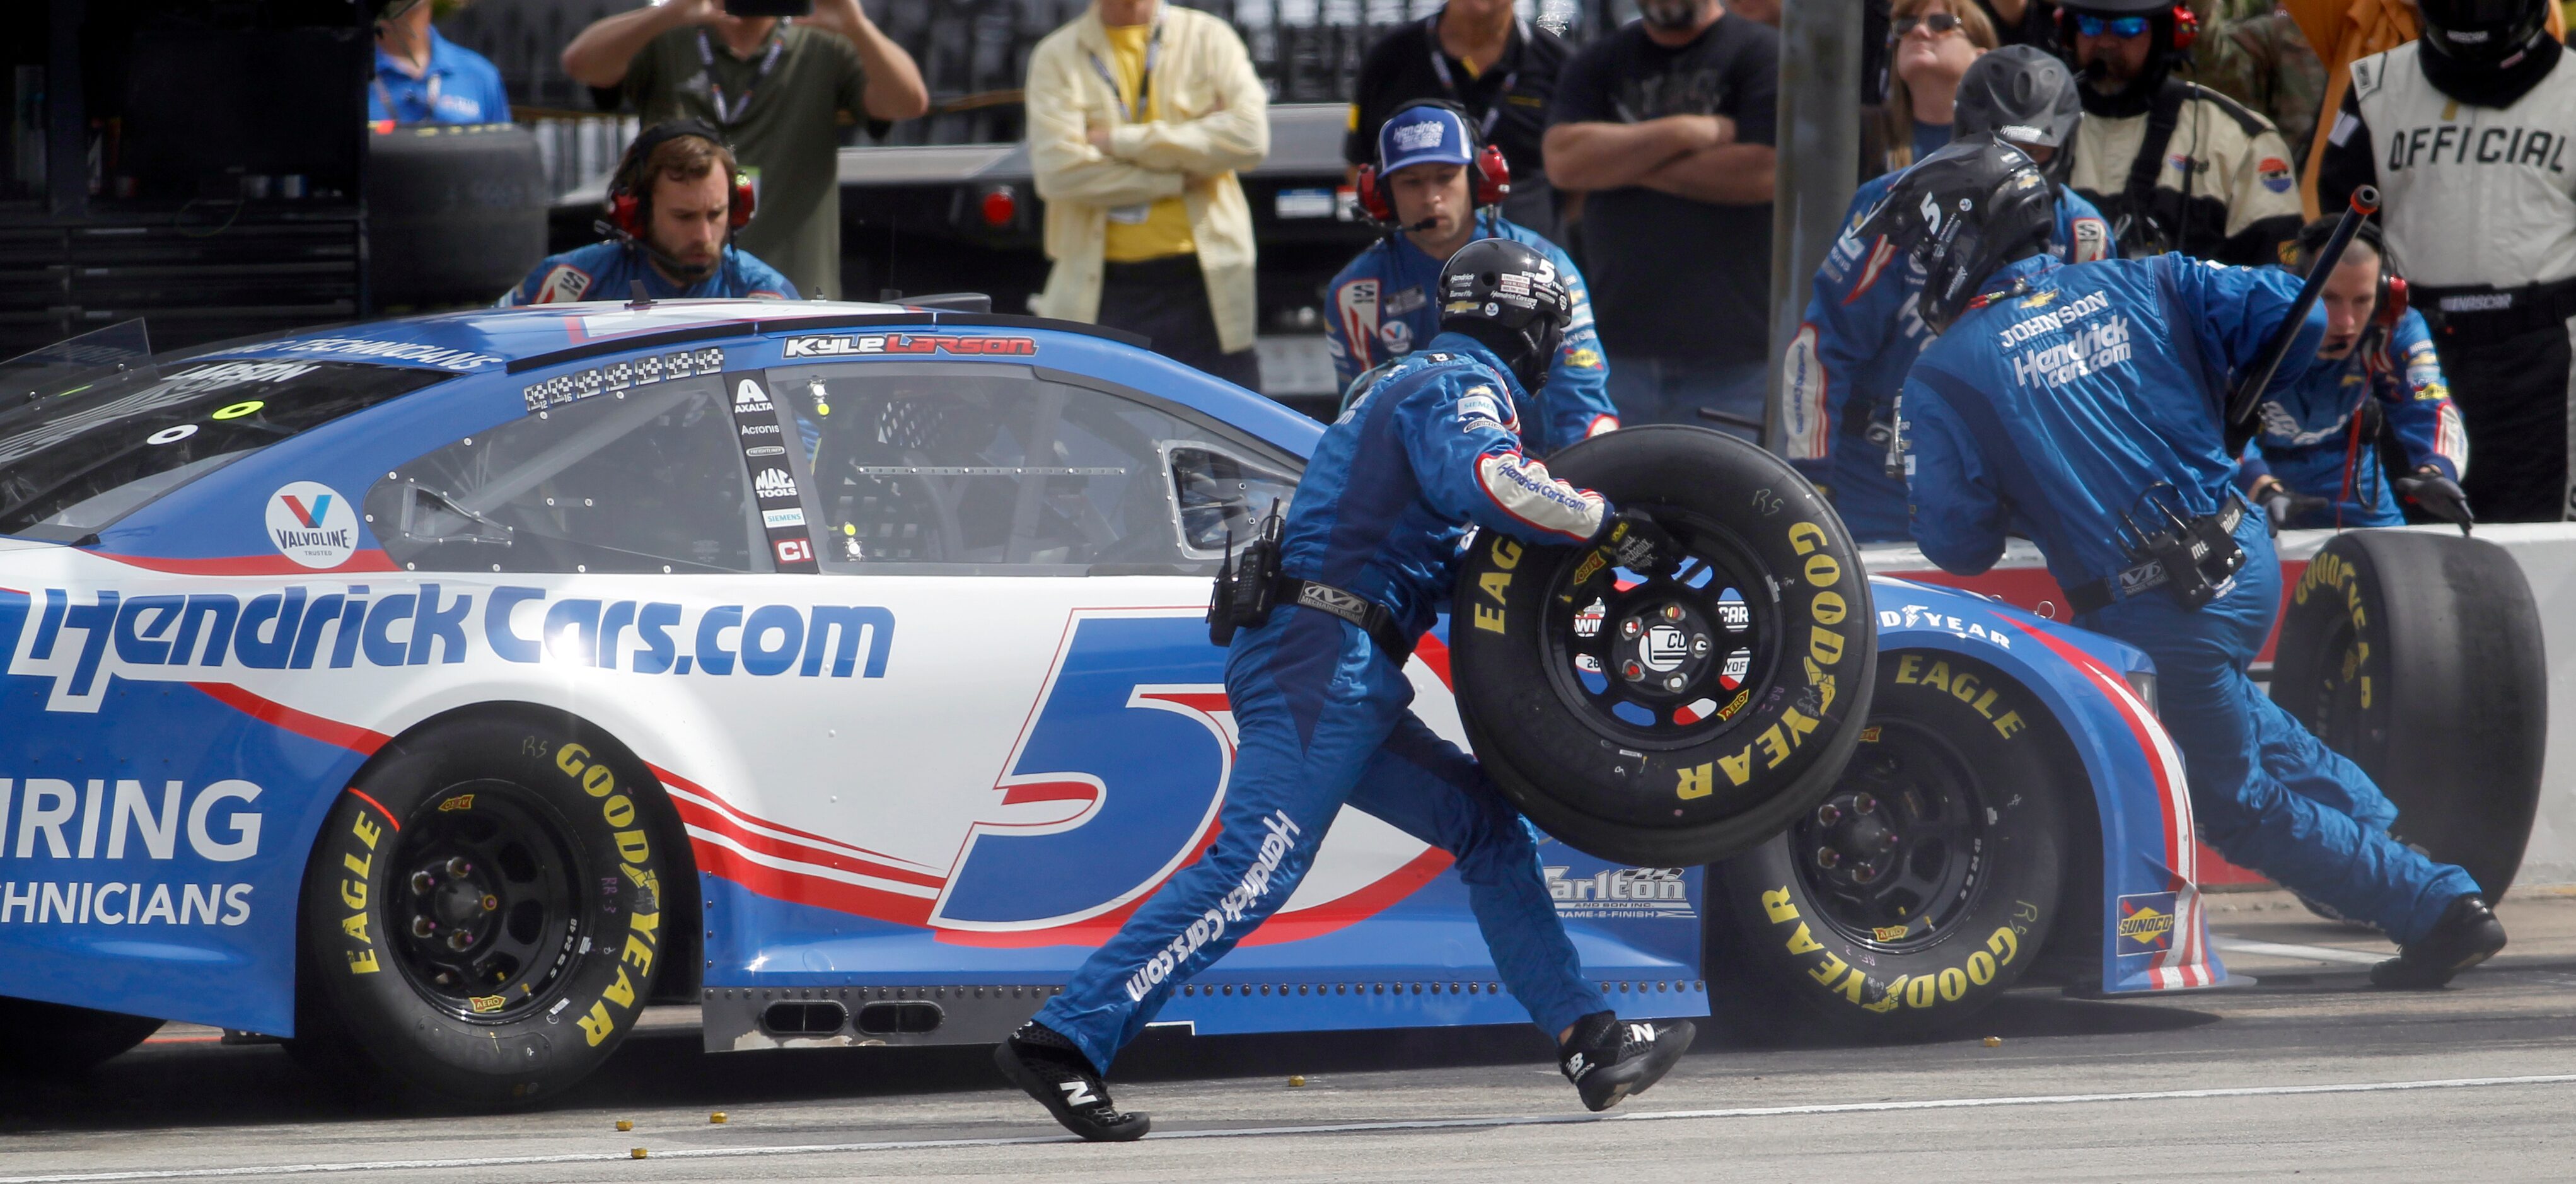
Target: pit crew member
2080 406
2315 462
2465 133
1434 186
1320 698
2175 165
673 205
1847 361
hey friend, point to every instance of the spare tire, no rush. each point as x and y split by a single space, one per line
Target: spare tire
456 214
1682 718
2418 655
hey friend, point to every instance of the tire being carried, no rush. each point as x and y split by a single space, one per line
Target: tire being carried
1677 719
483 912
1926 882
2419 655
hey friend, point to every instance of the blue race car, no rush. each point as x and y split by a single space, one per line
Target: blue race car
439 692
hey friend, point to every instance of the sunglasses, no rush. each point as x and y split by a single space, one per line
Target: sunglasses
1939 23
2117 26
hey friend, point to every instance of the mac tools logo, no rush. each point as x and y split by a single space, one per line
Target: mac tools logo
312 524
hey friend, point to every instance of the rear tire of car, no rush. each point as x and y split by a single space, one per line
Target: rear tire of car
483 913
455 214
1678 718
58 1040
1926 883
2419 656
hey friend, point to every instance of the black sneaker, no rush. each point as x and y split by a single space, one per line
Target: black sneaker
1608 1060
1038 1059
2467 934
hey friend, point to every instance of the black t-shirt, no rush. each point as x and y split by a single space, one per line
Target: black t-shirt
1672 277
1509 100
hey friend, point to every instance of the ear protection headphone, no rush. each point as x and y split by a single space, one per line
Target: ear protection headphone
630 201
2390 291
1489 178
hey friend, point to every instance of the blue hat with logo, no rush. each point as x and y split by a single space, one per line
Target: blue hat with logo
1422 135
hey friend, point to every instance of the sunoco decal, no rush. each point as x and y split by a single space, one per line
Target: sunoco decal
910 344
2146 923
312 524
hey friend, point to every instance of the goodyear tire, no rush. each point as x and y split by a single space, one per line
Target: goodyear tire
56 1040
455 213
483 912
1680 719
1927 881
2418 655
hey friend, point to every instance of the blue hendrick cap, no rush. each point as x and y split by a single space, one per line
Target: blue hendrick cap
1421 135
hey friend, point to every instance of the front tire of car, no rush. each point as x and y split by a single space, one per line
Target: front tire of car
483 913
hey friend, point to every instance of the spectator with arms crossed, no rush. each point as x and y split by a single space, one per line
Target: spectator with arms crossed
1434 186
674 201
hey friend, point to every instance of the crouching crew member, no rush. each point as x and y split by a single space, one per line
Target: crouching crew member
2081 406
1365 560
1861 334
1436 187
673 205
2314 464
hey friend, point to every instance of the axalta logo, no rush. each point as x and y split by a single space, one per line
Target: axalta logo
747 396
313 525
908 343
84 647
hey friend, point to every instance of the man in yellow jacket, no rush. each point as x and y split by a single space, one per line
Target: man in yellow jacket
1139 115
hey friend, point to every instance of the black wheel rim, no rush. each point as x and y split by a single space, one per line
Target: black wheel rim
1895 853
483 903
1668 660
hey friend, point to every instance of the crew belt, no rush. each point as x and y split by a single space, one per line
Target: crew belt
2484 314
1354 608
2128 582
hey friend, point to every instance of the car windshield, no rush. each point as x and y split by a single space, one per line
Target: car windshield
78 456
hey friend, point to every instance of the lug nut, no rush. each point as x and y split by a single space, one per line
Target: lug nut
1828 814
422 927
1890 842
1699 645
1827 857
459 940
1675 682
1630 628
490 902
1632 671
422 883
1672 612
458 868
1864 873
1865 804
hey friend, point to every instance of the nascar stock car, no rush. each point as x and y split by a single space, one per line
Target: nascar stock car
437 693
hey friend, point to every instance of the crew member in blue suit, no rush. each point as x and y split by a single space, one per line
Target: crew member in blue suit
673 205
1437 188
2081 406
421 77
1843 370
2315 463
1320 699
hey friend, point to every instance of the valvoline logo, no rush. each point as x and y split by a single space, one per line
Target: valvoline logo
312 524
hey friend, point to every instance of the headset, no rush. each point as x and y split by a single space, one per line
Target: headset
1490 177
630 211
2391 288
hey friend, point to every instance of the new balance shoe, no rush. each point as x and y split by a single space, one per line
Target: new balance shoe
1039 1060
2467 934
1608 1060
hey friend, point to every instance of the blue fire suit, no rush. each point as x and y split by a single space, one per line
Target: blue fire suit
1382 307
607 271
1861 335
2308 440
1433 448
2051 411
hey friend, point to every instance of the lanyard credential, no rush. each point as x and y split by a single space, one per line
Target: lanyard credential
725 116
386 97
1144 82
1448 82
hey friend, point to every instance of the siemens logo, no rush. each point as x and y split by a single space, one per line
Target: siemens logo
176 638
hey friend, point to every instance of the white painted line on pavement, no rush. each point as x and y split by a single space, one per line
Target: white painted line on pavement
1338 1128
2238 945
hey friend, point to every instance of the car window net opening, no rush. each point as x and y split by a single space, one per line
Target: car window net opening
993 466
74 461
1222 497
647 481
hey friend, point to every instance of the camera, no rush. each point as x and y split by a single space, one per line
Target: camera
769 7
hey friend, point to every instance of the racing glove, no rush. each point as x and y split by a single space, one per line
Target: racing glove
2282 506
1633 541
2438 496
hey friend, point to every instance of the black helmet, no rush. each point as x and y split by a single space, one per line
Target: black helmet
2025 95
2481 32
1961 213
2165 50
1510 298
